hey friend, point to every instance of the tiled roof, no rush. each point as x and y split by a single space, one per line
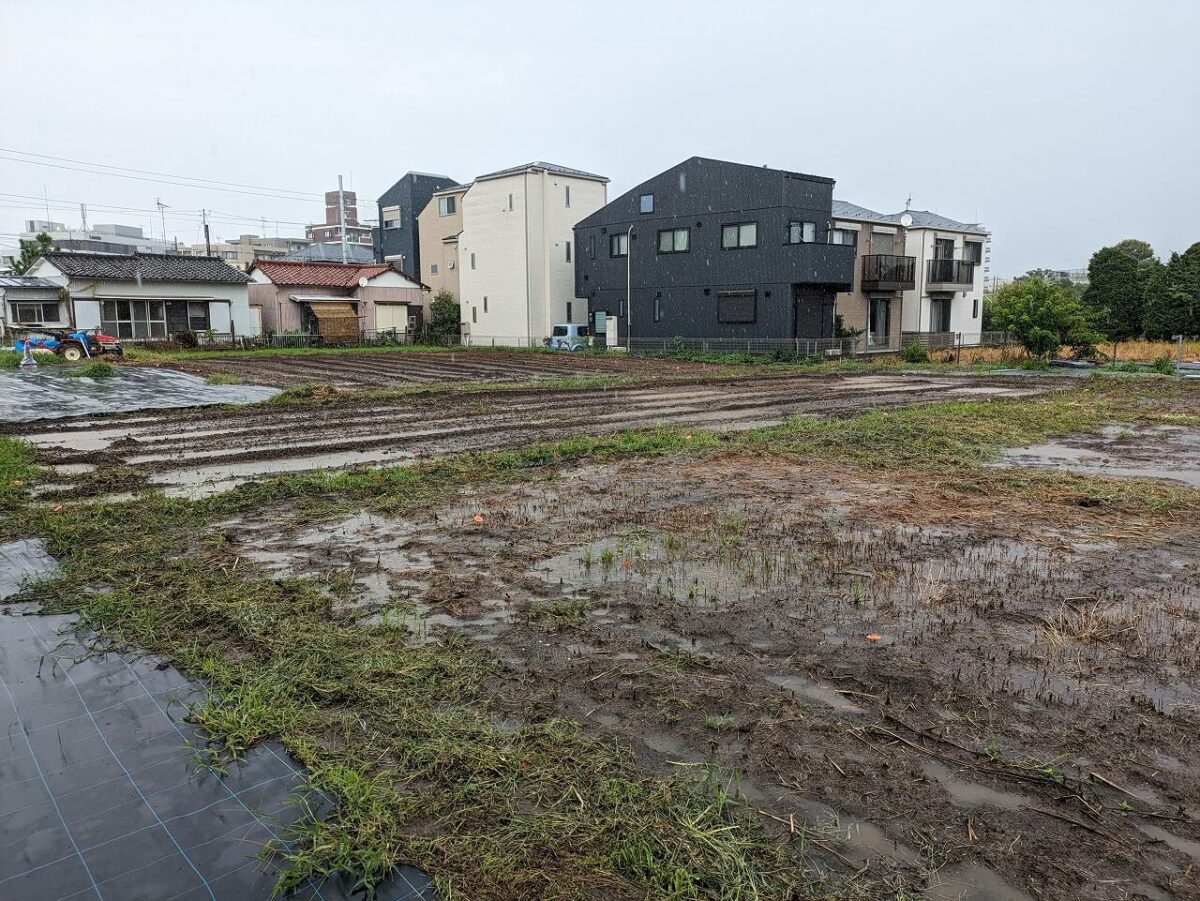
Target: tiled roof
548 167
328 275
25 281
920 218
148 267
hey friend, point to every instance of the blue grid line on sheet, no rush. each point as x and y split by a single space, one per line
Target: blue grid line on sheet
132 781
50 794
316 888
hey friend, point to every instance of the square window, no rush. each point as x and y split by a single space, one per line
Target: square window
673 240
618 245
446 206
646 203
433 268
742 234
802 232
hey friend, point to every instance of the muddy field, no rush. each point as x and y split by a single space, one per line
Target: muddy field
403 367
203 451
916 681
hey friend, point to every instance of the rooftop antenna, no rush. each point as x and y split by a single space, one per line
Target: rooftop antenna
908 203
161 207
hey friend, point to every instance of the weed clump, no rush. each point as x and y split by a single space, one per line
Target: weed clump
97 369
914 352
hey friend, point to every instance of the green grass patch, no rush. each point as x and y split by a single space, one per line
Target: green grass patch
17 470
12 360
97 369
222 378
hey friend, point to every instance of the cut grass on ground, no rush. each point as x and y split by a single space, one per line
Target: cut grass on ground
402 737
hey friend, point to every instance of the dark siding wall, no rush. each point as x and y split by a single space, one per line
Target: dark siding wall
703 195
411 194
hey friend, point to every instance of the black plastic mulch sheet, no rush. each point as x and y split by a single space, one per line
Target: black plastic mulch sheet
100 796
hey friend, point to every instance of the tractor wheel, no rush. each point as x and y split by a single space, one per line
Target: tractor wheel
72 353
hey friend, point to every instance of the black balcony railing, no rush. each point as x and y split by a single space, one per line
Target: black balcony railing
951 272
884 272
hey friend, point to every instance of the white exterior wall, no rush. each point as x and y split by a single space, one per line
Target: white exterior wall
919 243
227 301
521 264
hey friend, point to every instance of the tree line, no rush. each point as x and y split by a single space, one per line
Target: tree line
1130 294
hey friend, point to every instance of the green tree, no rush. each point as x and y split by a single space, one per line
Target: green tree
1118 279
444 318
1173 296
1042 316
30 251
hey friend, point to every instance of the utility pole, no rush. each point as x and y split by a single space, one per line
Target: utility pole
83 216
342 219
207 243
161 207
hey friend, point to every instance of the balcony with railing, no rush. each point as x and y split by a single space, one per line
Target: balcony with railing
885 272
951 272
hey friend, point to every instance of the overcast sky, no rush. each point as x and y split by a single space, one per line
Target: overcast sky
1062 125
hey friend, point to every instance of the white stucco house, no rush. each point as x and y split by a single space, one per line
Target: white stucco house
146 296
515 268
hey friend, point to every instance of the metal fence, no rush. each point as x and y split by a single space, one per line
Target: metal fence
951 340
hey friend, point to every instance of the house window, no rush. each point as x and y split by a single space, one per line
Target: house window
737 306
35 313
973 251
567 191
569 317
135 318
474 314
939 315
485 303
591 247
880 324
510 201
646 203
621 307
657 309
392 223
568 251
943 248
673 240
883 243
198 320
472 261
742 234
843 236
975 308
802 232
433 268
618 245
446 206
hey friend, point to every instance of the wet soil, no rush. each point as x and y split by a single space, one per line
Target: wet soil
1169 452
203 451
981 698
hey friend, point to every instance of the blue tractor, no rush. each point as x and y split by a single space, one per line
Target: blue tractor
72 346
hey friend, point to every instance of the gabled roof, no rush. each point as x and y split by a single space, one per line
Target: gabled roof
328 275
543 167
920 218
148 267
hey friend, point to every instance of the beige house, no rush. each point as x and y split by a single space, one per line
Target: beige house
340 302
439 226
917 275
515 255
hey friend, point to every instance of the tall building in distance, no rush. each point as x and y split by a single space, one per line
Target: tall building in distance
97 239
330 231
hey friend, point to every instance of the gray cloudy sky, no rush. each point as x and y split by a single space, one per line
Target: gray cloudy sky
1062 125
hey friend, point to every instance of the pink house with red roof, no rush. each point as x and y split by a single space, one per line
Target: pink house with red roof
338 301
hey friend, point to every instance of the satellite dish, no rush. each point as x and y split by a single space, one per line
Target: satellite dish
906 220
363 281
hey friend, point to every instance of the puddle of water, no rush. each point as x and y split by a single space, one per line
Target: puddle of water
1164 454
972 882
816 691
970 794
74 469
1184 845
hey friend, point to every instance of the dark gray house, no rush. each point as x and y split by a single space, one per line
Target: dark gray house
396 237
711 250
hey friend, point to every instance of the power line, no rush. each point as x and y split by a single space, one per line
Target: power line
159 181
211 181
62 205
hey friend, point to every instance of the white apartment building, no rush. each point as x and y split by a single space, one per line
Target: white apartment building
115 239
515 260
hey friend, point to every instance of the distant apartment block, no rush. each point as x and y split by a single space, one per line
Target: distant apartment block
247 249
330 231
397 237
515 258
115 239
917 273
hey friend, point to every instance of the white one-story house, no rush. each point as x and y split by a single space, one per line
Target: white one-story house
148 296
